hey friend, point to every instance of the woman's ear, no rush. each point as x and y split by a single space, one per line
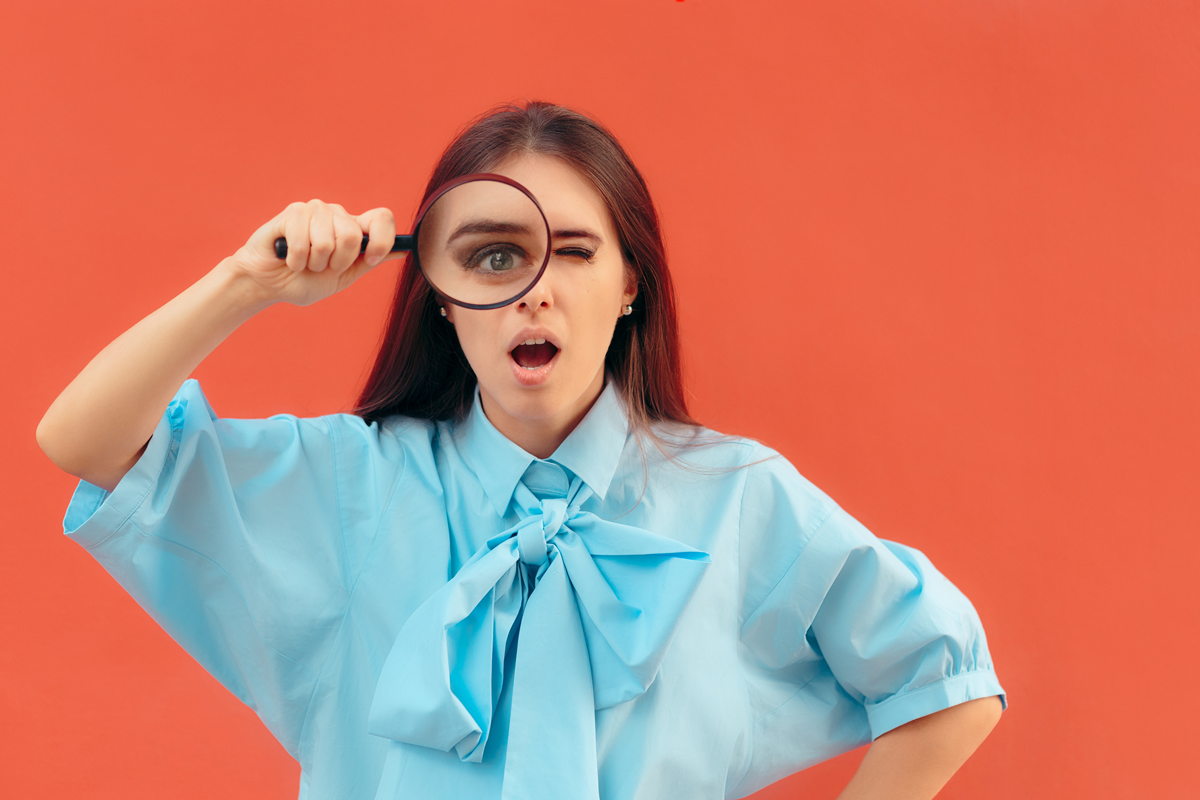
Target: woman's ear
631 289
448 312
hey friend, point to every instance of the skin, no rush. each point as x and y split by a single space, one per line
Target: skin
99 426
915 760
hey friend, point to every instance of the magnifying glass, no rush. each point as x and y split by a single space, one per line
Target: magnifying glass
481 240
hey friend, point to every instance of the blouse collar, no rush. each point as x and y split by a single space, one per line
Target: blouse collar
592 451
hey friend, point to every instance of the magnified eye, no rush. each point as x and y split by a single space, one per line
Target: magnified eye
498 262
496 258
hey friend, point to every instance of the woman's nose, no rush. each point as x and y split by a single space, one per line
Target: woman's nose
539 296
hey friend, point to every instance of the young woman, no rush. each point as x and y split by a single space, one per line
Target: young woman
520 569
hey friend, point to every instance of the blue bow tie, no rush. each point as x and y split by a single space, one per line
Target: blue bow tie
593 626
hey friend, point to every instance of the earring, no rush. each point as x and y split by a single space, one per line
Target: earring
443 310
628 310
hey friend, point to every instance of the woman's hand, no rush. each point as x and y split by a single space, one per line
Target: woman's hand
323 251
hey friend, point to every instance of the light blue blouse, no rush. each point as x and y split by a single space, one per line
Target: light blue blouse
419 609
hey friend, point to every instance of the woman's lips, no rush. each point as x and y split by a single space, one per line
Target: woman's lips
532 363
532 356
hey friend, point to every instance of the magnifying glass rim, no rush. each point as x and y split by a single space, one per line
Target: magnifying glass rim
459 181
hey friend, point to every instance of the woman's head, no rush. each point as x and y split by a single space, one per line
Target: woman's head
607 253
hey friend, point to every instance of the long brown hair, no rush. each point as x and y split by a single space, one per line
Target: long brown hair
421 370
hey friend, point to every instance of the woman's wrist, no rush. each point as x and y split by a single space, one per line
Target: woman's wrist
245 295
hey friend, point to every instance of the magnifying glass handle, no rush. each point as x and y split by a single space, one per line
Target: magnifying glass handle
402 245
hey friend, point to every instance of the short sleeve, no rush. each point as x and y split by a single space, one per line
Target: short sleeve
837 619
238 538
897 634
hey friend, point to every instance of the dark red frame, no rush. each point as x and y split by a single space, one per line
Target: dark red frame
459 181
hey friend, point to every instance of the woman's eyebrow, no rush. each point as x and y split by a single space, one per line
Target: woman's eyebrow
488 226
578 233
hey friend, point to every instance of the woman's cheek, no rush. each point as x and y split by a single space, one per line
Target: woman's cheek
474 340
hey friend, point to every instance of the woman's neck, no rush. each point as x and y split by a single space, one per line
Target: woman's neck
541 437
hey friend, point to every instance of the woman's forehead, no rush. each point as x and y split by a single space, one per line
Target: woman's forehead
569 200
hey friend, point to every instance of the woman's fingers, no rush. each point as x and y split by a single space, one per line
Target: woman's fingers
322 239
348 240
320 236
323 236
296 231
380 226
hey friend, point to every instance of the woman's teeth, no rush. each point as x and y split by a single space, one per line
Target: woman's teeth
534 341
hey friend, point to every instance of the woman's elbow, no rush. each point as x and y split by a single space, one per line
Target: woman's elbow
49 440
55 443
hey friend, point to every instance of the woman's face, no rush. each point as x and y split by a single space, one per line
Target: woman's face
569 316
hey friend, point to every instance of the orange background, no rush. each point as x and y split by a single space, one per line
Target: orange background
941 254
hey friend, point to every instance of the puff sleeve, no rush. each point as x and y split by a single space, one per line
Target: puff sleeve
848 635
238 538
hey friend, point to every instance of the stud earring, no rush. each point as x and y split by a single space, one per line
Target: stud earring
443 310
628 310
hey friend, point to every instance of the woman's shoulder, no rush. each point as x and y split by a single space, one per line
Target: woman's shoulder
769 480
347 438
703 447
396 434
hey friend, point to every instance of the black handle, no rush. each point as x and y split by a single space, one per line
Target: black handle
403 245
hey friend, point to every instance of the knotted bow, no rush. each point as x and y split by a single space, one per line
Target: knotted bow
592 634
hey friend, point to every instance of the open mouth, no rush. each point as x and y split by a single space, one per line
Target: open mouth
533 353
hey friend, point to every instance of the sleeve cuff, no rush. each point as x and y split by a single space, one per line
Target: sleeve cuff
93 515
899 709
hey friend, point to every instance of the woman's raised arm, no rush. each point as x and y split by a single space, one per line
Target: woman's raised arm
100 424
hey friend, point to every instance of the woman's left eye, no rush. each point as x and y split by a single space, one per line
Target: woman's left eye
495 258
575 252
499 261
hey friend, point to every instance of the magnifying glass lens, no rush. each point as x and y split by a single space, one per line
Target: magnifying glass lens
482 242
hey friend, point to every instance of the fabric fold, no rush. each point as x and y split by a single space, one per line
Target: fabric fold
591 606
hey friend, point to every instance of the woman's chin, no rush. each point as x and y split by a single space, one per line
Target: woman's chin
540 394
531 395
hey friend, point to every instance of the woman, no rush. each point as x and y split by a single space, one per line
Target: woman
521 569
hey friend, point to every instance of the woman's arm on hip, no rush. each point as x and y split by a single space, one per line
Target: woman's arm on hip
915 760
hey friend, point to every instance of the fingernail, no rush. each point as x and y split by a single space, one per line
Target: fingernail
374 260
